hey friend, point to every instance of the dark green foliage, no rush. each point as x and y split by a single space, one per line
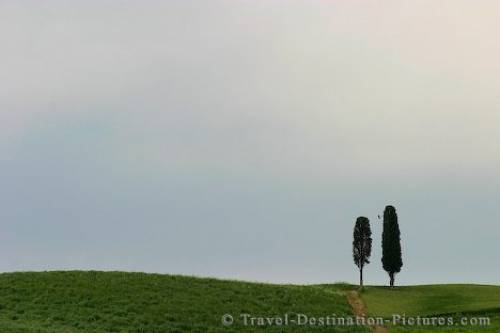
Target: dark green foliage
391 244
362 245
106 302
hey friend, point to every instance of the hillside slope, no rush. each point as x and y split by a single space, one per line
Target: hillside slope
470 302
431 299
98 302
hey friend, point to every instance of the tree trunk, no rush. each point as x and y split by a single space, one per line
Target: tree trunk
361 278
391 275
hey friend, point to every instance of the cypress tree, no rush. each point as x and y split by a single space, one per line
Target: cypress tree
391 244
362 245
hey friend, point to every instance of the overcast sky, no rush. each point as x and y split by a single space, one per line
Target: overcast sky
241 139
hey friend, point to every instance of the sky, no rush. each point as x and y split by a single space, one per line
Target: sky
242 139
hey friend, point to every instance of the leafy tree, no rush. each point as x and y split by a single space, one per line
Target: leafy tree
362 245
391 244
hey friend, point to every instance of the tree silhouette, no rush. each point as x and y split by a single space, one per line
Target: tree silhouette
362 245
391 244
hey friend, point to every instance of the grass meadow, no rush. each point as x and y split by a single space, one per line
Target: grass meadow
97 302
455 301
113 302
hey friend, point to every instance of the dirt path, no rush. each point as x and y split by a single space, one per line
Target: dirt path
358 308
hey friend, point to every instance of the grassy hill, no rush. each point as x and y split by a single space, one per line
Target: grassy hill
457 301
102 302
431 299
71 302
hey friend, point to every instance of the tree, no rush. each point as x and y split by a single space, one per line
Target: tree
391 244
362 245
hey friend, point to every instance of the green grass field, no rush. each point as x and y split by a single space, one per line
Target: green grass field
102 302
456 301
67 302
433 299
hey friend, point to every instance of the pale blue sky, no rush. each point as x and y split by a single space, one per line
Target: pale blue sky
241 139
